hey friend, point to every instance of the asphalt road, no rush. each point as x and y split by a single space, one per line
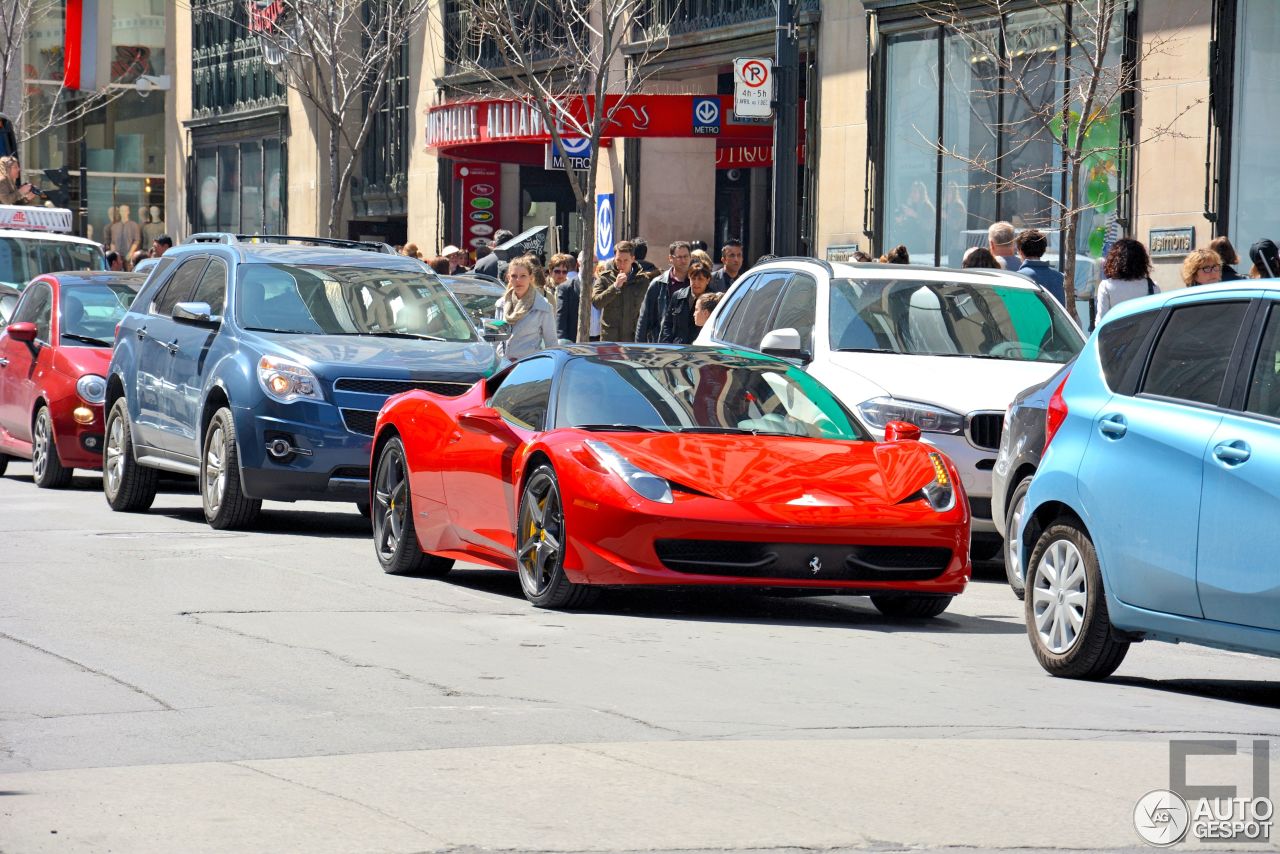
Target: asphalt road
165 687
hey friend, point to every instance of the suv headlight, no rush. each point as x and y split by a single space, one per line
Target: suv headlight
92 388
643 483
879 411
286 381
940 493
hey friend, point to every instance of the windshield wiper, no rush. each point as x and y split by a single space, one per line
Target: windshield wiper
281 331
391 333
972 356
88 339
734 430
866 350
621 428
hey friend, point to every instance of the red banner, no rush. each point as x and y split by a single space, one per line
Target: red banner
481 198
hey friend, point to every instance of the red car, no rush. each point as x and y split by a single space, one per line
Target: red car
53 357
607 465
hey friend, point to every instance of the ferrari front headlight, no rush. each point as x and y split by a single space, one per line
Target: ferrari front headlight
643 483
941 492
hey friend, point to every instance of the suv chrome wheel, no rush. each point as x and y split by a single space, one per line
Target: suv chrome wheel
215 475
113 457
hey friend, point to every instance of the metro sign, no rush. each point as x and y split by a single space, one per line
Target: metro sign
21 218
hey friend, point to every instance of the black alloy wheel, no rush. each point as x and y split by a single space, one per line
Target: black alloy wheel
395 539
541 543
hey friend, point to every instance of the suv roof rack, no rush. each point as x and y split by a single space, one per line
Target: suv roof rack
229 237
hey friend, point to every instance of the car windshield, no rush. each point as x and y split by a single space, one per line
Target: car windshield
24 258
479 306
90 312
699 392
348 300
928 318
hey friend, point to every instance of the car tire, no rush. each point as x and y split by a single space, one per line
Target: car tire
129 487
1012 524
540 545
4 464
911 606
46 466
363 508
1066 606
221 492
395 539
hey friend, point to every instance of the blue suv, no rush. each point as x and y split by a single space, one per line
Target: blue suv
1153 513
260 369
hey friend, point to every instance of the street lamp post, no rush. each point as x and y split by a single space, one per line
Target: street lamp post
786 144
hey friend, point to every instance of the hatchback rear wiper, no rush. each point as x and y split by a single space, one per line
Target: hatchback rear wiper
621 428
88 339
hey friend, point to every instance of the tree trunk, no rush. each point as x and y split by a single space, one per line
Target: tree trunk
335 192
586 273
1070 229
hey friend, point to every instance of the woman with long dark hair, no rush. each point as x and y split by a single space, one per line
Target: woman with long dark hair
1126 268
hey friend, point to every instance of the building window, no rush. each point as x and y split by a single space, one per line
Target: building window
962 146
1256 118
228 73
382 187
237 187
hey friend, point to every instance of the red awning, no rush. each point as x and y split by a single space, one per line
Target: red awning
510 131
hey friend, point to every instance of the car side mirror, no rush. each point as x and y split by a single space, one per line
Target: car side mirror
901 431
496 331
786 344
198 313
486 420
23 331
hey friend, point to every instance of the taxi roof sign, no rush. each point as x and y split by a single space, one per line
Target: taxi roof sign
27 218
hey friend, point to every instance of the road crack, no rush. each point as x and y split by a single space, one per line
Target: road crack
87 669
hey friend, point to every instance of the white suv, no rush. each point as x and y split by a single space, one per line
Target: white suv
947 350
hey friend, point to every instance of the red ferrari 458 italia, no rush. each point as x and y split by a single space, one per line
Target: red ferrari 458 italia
53 359
614 464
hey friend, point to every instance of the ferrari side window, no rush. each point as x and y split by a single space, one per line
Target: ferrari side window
525 393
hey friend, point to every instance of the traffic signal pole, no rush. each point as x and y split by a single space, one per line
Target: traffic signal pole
786 135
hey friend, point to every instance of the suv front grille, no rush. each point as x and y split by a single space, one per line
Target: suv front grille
360 421
985 429
390 387
799 560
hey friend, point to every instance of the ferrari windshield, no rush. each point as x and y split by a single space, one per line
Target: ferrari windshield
928 318
695 391
24 258
348 300
90 312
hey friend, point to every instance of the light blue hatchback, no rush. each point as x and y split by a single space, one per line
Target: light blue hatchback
1155 513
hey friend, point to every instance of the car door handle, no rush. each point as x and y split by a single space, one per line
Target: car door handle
141 333
1113 426
3 362
1232 453
172 347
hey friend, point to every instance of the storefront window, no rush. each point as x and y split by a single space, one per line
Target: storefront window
1253 213
238 187
998 120
911 156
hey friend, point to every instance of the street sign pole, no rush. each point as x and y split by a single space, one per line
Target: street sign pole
786 160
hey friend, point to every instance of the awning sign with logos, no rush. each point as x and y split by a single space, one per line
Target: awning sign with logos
481 191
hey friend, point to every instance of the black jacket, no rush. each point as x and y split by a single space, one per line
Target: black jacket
649 326
720 281
1230 274
492 265
568 297
677 323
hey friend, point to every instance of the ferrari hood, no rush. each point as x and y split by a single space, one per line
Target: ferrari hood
781 470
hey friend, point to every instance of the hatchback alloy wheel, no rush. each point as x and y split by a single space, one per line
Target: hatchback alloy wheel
1060 596
46 466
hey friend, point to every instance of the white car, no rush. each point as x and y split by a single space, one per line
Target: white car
36 240
947 350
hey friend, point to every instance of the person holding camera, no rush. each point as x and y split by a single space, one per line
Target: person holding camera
12 190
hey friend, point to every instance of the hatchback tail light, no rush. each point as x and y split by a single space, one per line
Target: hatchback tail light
1056 413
